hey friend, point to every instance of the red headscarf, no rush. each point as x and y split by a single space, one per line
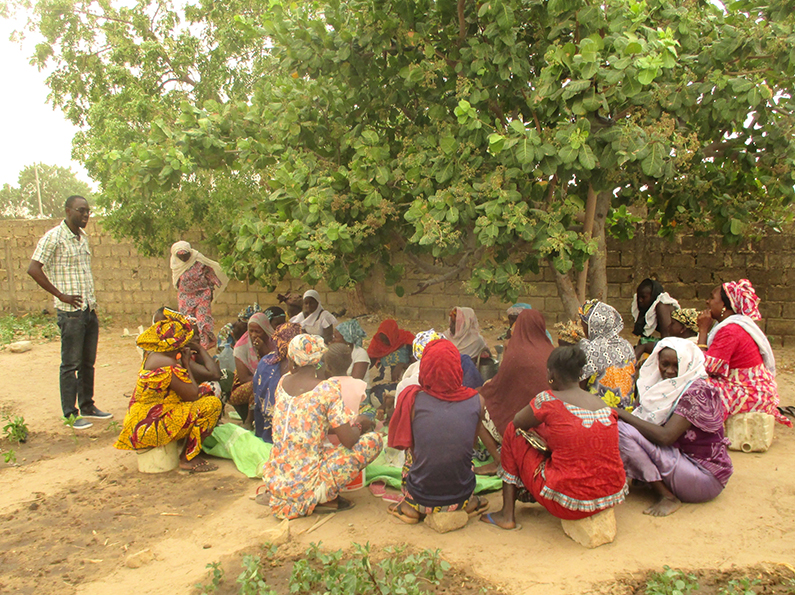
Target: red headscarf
395 339
523 370
743 298
441 376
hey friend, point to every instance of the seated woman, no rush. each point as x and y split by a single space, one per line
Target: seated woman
336 362
304 475
269 372
252 346
314 320
436 422
513 313
351 333
740 361
166 404
609 372
684 324
674 440
231 332
390 350
651 310
582 473
464 333
276 316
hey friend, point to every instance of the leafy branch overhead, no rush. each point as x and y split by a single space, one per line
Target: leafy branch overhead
322 139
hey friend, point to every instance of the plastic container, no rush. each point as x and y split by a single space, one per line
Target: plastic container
357 483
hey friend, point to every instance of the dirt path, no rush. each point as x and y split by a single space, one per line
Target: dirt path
77 517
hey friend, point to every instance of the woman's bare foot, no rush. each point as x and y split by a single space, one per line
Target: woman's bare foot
498 519
487 469
664 506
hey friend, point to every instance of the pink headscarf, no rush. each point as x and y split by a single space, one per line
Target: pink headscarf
743 298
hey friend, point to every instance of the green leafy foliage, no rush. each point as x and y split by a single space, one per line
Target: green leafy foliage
321 141
55 184
10 457
28 326
16 429
216 577
742 586
671 582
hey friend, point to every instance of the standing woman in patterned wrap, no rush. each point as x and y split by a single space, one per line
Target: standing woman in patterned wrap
609 372
166 404
740 361
196 278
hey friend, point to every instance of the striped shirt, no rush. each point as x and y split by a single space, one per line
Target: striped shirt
66 260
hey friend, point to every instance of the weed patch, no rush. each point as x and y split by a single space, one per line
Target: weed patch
27 327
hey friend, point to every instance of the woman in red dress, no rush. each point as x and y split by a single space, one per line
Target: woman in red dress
582 473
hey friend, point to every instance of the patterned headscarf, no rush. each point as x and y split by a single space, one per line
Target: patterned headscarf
421 341
569 332
743 298
517 308
306 350
249 311
352 332
603 347
273 312
282 337
688 317
171 334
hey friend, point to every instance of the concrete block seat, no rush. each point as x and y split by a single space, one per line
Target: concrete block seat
160 459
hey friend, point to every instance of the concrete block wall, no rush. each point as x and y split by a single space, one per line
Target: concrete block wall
131 286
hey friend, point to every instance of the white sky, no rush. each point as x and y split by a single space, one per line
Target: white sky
31 130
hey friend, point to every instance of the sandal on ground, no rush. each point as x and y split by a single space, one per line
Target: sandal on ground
342 504
377 489
398 514
263 496
392 497
483 506
203 466
789 410
490 521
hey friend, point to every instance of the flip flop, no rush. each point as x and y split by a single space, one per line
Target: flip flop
389 497
493 524
395 512
342 504
378 489
788 410
483 506
202 467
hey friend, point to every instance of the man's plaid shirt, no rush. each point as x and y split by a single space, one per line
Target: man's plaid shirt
66 261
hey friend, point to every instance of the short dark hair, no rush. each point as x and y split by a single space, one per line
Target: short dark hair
567 362
71 200
338 359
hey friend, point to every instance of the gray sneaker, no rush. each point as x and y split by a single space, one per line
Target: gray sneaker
82 424
95 414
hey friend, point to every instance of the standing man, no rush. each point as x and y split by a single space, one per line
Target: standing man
61 265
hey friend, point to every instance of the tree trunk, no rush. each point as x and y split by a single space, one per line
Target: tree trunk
354 302
567 293
597 268
590 214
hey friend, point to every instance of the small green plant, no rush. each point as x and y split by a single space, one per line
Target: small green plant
16 429
10 456
70 423
743 586
251 580
216 576
28 326
113 427
671 582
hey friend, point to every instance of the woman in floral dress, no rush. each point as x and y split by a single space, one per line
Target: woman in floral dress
304 474
196 278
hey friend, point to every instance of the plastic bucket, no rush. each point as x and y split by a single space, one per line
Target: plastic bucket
357 483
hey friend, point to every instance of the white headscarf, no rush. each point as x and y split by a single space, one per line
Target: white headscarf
651 313
179 268
658 396
318 320
467 337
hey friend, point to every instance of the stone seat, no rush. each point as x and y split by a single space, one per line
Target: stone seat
750 432
593 531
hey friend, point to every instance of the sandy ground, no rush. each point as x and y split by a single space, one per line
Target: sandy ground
77 517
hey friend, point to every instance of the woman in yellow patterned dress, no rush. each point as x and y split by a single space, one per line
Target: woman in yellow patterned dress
166 404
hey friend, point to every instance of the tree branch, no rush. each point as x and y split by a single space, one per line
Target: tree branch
450 273
462 24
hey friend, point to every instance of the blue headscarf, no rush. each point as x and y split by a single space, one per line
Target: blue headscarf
352 332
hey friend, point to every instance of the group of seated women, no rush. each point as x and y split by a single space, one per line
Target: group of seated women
566 426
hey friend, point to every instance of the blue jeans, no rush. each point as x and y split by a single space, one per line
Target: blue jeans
79 336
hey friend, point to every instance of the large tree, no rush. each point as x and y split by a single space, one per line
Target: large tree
50 182
484 139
